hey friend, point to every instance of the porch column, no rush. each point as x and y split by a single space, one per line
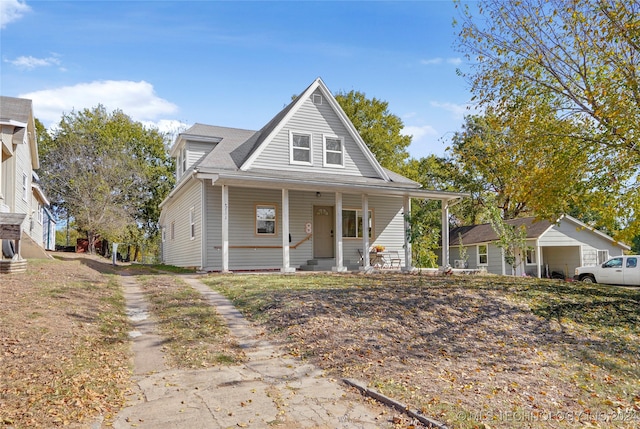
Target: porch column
445 232
539 259
366 262
338 236
225 228
286 268
406 209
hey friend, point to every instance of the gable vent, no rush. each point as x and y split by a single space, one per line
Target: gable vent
317 99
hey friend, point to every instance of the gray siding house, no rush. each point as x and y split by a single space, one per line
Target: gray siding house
553 249
20 192
303 191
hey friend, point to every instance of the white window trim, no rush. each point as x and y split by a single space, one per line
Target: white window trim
371 219
184 159
304 133
25 184
478 255
534 259
325 151
163 233
39 214
275 220
192 223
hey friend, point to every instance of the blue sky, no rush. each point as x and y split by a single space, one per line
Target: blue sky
235 64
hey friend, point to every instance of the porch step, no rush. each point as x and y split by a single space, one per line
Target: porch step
326 264
8 266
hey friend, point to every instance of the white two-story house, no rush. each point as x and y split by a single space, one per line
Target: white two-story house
305 190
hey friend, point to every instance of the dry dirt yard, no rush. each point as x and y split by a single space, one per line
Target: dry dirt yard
473 352
63 345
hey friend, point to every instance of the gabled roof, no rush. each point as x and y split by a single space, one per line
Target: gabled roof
484 233
275 125
18 112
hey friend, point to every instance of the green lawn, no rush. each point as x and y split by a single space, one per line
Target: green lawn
492 351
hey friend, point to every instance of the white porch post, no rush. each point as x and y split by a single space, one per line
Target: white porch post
366 262
445 232
406 209
338 236
538 259
225 228
286 268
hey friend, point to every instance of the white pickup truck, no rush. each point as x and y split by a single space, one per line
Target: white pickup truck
621 270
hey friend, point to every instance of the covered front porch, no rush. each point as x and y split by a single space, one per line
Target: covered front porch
311 225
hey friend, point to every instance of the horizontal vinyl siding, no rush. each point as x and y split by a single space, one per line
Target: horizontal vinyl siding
22 155
318 120
388 227
182 251
495 260
196 151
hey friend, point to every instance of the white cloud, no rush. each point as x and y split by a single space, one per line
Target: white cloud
31 63
136 99
431 61
419 132
438 60
12 10
458 110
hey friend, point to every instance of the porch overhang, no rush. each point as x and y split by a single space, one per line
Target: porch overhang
324 186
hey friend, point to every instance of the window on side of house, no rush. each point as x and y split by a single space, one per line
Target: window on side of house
40 213
184 159
300 148
333 151
172 232
163 232
603 256
531 257
483 254
352 223
265 219
192 223
25 182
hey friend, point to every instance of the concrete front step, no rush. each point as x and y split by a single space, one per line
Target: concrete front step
326 264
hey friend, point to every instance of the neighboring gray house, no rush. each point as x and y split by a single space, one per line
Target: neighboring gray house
551 247
19 189
287 196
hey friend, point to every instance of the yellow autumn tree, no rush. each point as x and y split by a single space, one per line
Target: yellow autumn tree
583 59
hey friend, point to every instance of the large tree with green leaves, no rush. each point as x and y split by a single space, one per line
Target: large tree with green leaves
108 173
379 128
582 59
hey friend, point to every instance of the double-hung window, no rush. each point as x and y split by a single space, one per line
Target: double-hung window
483 254
353 224
265 219
333 151
300 148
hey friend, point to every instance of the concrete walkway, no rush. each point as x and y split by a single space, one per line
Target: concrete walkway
269 390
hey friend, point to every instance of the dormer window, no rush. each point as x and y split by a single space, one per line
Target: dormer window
184 159
300 148
333 151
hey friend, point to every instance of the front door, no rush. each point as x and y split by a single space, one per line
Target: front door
323 232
